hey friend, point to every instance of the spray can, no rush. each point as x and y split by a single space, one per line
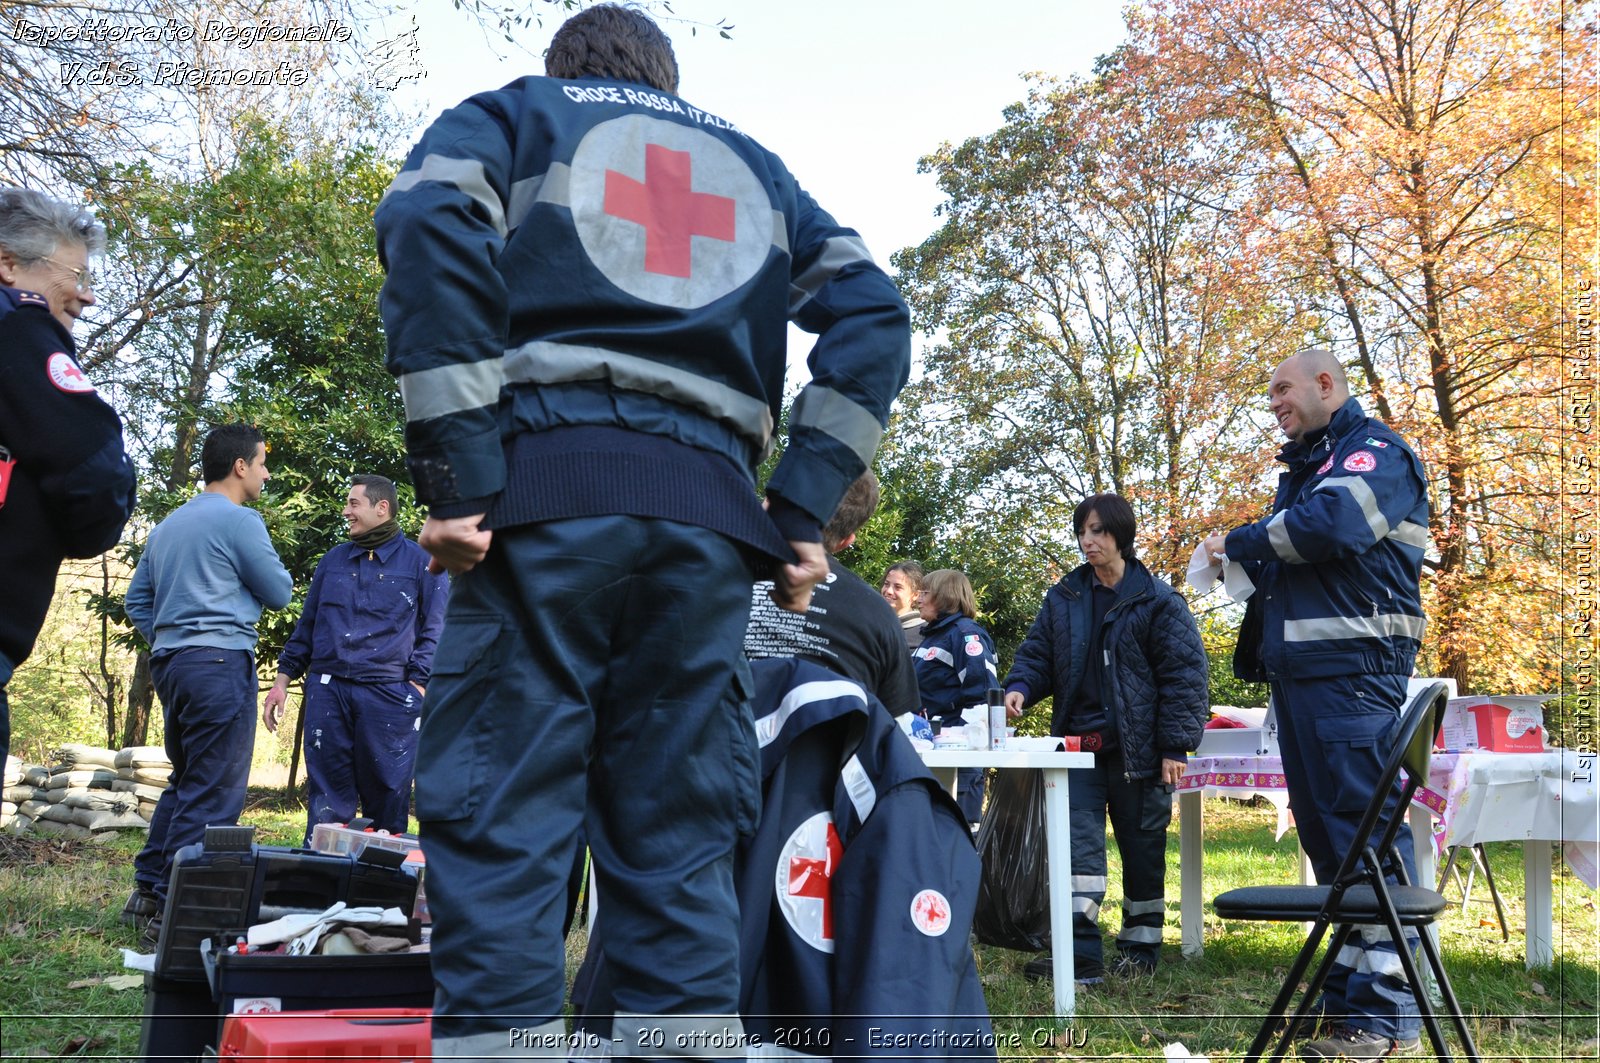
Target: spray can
997 720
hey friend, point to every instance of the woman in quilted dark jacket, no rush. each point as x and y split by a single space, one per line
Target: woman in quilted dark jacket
1119 652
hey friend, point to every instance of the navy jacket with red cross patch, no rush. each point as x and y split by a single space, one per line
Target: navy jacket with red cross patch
955 666
857 891
575 263
1338 565
72 488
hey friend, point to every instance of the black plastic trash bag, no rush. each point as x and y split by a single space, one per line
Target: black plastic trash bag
1014 894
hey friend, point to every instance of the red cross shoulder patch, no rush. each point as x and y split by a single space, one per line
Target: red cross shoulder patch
65 374
1360 461
930 913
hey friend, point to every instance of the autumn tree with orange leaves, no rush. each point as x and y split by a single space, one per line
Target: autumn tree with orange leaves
1097 325
1418 172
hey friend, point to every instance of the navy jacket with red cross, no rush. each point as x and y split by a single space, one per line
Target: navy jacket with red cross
955 666
570 260
857 891
72 488
1338 565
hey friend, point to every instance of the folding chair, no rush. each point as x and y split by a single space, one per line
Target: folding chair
1359 896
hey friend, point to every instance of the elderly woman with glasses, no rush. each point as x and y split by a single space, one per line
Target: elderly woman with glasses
66 486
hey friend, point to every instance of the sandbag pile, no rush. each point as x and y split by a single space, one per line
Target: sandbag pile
86 792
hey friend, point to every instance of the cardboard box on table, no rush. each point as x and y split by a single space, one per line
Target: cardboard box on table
1499 723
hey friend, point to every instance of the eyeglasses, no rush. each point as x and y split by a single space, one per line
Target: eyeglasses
83 275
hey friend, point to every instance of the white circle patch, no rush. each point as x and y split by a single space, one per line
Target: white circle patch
804 880
1326 465
669 213
1360 461
974 647
930 913
65 374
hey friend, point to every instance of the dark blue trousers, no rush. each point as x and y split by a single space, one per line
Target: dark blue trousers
208 703
1335 734
590 674
361 746
1140 811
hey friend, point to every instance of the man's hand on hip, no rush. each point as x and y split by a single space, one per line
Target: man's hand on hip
791 585
455 543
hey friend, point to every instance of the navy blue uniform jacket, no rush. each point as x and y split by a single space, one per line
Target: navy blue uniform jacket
857 891
1338 565
372 615
1154 676
72 488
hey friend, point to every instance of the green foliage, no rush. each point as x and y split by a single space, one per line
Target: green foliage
1220 632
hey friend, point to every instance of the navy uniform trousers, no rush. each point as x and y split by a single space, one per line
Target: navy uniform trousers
590 675
361 745
208 705
1334 735
1140 811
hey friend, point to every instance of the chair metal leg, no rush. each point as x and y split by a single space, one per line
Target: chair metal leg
1482 858
1276 1014
1448 995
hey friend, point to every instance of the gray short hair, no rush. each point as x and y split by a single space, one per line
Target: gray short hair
33 226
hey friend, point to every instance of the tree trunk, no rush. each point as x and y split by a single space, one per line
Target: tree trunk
141 700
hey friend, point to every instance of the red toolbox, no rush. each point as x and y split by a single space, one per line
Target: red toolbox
397 1034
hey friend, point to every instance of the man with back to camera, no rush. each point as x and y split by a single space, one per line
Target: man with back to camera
588 287
902 584
66 486
848 626
207 571
371 620
1334 625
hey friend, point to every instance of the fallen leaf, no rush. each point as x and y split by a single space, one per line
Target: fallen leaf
125 981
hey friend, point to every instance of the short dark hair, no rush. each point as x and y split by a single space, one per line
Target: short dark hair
378 489
913 572
612 41
226 444
860 501
1115 513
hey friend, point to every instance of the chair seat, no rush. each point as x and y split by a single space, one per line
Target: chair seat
1415 905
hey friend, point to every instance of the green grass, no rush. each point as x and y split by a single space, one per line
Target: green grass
59 936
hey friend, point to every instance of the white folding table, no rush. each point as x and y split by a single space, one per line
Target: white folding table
1058 840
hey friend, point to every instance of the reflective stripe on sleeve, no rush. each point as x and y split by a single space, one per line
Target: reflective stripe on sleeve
447 389
844 419
465 175
837 253
1278 539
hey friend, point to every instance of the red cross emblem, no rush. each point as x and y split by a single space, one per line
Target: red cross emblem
670 210
805 870
65 374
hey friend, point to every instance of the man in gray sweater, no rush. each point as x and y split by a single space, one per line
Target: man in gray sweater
205 575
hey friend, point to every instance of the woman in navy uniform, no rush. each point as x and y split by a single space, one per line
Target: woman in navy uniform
66 486
955 666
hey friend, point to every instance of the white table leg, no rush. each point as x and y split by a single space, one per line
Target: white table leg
1058 843
1536 881
946 777
1421 821
1191 873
